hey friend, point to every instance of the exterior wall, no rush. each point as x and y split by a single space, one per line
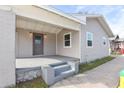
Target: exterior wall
98 50
50 44
24 44
74 50
7 48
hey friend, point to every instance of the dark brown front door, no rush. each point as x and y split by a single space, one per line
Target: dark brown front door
37 44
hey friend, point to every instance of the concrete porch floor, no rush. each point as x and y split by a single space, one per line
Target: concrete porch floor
42 61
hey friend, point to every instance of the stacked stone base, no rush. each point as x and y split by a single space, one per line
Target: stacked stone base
25 74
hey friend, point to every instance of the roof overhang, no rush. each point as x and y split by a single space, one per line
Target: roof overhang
45 14
103 23
58 12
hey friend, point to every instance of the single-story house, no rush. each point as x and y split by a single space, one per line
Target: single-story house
117 45
30 31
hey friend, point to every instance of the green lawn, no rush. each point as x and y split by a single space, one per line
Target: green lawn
35 83
93 64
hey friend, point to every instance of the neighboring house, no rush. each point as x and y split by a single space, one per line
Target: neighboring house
32 31
117 45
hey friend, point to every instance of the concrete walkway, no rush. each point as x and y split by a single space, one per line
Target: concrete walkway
104 76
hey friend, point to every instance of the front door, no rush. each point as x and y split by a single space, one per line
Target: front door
37 44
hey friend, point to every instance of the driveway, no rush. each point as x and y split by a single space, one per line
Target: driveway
104 76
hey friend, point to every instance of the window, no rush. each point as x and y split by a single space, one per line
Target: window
89 37
104 41
37 39
67 40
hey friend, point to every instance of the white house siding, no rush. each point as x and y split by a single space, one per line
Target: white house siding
50 44
7 48
98 50
24 44
74 50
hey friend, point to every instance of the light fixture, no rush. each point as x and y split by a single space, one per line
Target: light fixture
30 34
45 36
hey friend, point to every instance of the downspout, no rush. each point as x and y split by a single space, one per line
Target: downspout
82 44
56 45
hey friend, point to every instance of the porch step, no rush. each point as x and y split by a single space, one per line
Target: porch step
56 72
61 68
64 74
58 64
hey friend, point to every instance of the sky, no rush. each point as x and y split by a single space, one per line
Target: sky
113 14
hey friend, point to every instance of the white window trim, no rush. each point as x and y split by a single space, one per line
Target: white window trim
87 40
70 40
104 38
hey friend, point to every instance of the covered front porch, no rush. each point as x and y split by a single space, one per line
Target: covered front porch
47 45
40 41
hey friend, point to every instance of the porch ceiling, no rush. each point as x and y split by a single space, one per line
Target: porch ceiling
34 25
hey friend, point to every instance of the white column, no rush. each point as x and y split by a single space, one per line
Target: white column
7 48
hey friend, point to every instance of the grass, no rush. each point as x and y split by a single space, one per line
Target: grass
93 64
35 83
116 53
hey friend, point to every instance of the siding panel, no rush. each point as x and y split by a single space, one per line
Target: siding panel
99 50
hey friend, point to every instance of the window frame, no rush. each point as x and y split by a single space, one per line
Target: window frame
69 33
87 33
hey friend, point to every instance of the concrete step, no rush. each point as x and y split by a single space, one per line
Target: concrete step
58 64
61 68
59 71
64 74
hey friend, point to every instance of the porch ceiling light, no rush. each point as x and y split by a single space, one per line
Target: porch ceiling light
45 36
30 34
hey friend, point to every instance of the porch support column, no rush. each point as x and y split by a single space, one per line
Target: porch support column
82 42
7 48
